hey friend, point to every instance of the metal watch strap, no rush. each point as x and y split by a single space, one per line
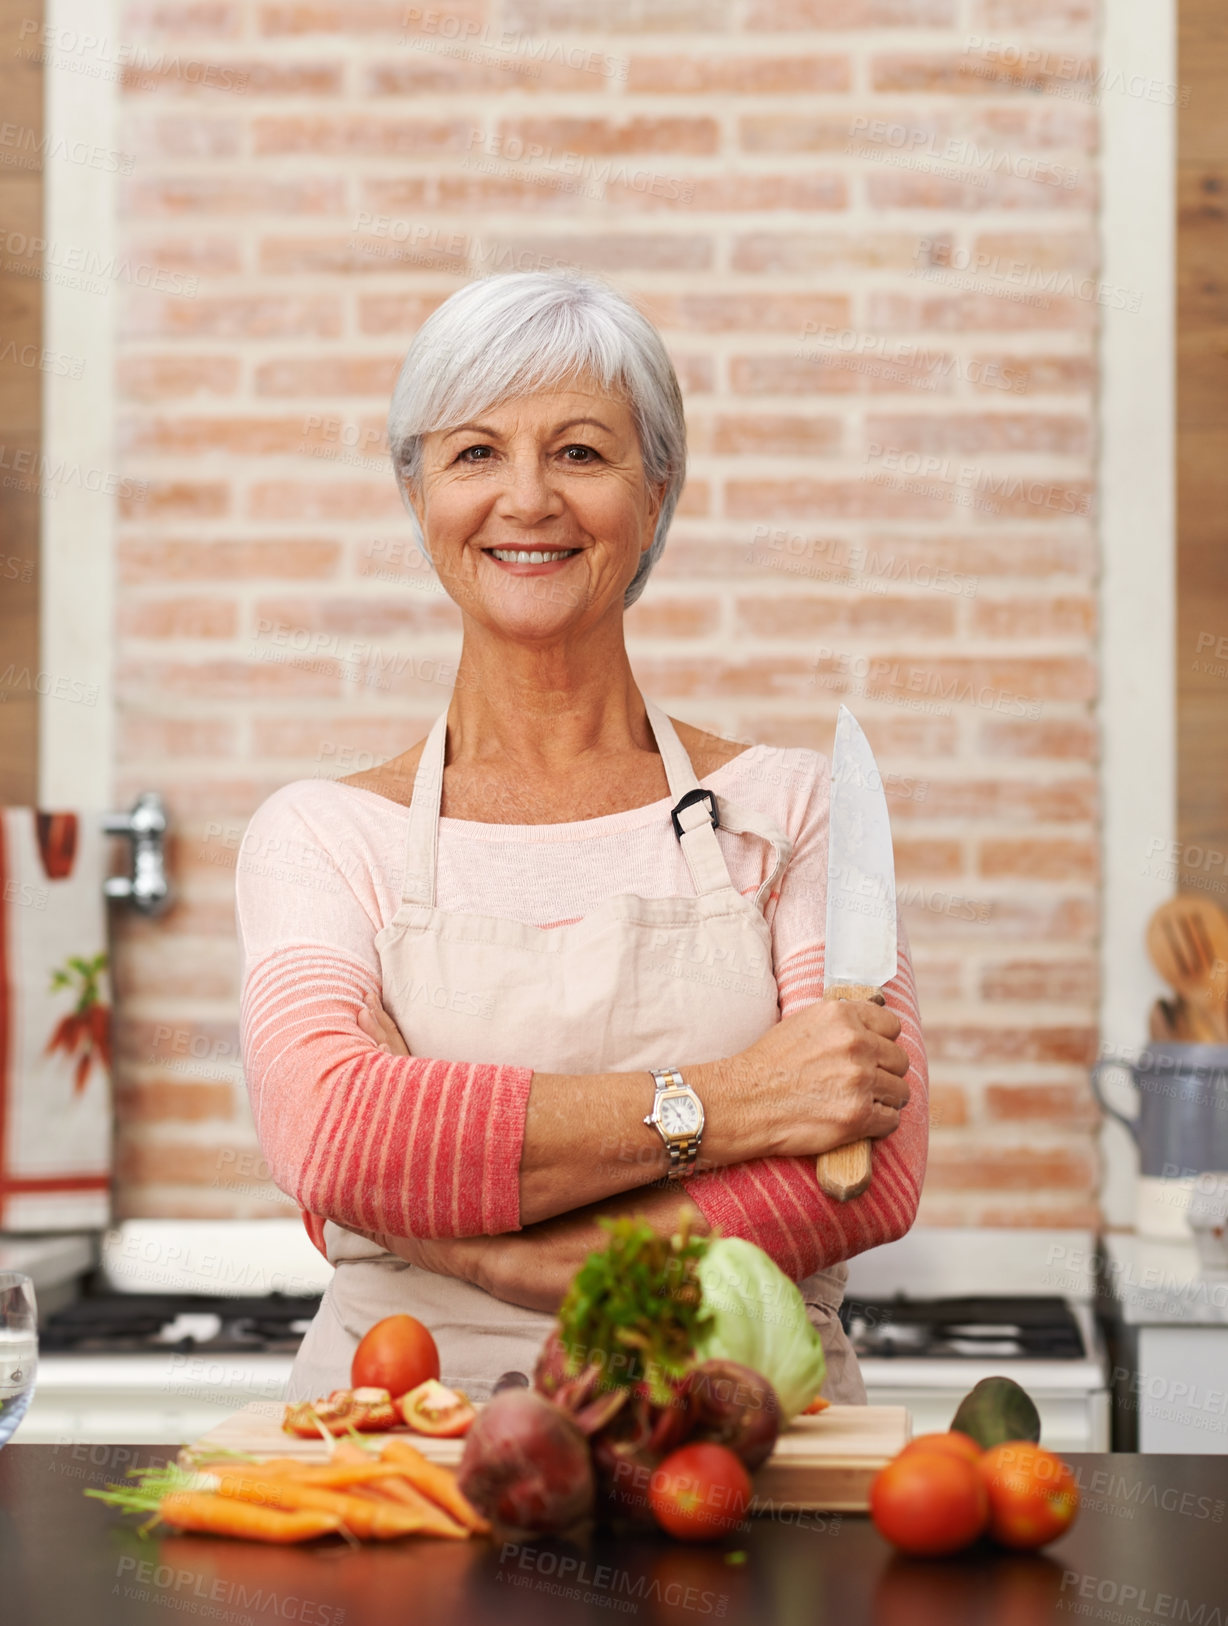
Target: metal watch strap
682 1153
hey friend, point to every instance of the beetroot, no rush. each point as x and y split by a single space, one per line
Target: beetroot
526 1465
734 1406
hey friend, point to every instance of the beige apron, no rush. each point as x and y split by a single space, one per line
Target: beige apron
638 983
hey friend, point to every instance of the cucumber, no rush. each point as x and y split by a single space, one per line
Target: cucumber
996 1411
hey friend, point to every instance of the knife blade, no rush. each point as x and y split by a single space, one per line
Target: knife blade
861 951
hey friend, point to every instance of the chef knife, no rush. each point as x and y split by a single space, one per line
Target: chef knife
860 950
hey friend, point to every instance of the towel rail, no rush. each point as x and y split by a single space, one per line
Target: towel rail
145 824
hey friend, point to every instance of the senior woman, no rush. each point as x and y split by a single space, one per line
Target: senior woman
492 987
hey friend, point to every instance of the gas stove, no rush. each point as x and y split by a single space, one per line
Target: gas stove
169 1323
966 1329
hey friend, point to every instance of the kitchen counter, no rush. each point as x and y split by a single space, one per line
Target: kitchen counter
1158 1283
1148 1545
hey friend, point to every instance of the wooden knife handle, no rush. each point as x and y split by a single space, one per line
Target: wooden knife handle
844 1172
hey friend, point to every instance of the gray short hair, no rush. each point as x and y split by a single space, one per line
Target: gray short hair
526 331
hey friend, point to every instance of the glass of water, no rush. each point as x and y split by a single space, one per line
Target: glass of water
18 1349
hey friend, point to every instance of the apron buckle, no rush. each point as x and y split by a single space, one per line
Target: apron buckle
699 794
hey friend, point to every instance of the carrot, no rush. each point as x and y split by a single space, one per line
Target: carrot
362 1517
402 1494
222 1516
439 1484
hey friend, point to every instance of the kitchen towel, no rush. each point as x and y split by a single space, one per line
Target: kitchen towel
55 1011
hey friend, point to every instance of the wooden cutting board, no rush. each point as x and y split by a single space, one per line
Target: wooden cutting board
822 1463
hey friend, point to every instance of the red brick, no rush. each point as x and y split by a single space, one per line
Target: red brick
342 744
189 617
502 71
1075 1046
1058 739
238 316
976 1165
723 75
156 378
400 314
948 1106
349 16
1037 375
352 620
670 679
143 735
976 188
942 312
1018 255
237 195
1063 982
925 737
177 499
200 256
801 14
1050 1216
169 1101
229 76
346 500
828 370
1063 801
821 499
794 132
182 135
777 436
801 615
1065 434
616 16
341 135
909 559
930 858
937 980
989 1166
317 376
658 617
240 437
1065 617
194 20
1058 1105
1035 14
642 134
233 679
798 253
741 193
158 1160
696 499
290 558
973 73
651 250
1035 860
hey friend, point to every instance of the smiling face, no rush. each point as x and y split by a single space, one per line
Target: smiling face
557 473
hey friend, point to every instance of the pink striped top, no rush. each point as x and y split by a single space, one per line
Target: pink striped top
319 875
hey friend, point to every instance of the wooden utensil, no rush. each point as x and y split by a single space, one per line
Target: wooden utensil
1163 1021
1187 939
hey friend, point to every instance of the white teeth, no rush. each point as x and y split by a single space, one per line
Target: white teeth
518 556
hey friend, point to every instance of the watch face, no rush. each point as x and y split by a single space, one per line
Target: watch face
679 1114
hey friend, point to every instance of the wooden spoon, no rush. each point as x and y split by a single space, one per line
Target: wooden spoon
1187 939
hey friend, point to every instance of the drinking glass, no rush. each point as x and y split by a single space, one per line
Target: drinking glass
18 1349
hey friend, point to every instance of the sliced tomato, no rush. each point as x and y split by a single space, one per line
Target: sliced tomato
369 1411
817 1405
433 1408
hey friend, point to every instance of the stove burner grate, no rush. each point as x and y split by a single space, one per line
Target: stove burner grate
991 1329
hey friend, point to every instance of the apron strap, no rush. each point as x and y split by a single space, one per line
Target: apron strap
422 841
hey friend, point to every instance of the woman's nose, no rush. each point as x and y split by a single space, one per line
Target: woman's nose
528 495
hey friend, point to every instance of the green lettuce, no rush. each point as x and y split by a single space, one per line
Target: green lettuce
759 1319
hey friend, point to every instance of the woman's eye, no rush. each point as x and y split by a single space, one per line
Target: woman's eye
579 454
475 454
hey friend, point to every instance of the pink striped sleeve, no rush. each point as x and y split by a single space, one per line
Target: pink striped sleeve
777 1203
399 1144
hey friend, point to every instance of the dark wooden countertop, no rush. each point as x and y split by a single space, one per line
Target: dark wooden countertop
1150 1545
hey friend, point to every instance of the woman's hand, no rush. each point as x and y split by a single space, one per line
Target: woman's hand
379 1027
820 1078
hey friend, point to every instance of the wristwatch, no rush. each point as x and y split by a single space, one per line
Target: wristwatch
678 1117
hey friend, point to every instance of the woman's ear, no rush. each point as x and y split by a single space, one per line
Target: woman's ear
656 500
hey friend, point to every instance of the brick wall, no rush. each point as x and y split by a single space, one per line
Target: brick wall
867 231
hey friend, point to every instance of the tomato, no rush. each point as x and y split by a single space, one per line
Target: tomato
1033 1496
397 1354
954 1444
700 1492
929 1502
370 1411
432 1408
